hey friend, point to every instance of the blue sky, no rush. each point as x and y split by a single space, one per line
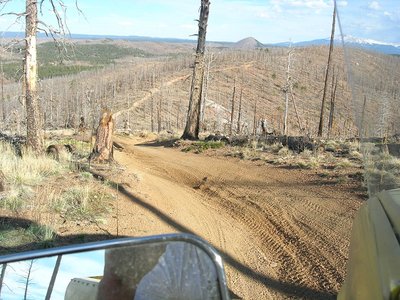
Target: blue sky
79 265
230 20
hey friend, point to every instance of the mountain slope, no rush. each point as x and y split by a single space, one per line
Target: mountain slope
377 46
248 44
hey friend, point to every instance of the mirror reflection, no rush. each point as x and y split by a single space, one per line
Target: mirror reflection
167 270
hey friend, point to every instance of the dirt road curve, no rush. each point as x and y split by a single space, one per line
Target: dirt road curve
281 233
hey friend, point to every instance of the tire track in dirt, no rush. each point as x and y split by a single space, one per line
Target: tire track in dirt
320 267
290 234
272 236
264 218
178 200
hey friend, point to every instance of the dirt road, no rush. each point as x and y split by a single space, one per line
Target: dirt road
282 234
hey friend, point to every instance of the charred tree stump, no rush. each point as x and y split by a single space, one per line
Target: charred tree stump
103 147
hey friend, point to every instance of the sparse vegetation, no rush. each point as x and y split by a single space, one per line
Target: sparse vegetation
334 159
23 174
31 190
80 203
201 146
274 148
41 233
382 171
344 163
311 163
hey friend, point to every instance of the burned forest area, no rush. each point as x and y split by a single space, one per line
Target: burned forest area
274 197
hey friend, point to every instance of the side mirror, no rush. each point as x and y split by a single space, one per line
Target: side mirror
175 266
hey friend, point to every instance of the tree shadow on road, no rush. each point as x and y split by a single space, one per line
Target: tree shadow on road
286 288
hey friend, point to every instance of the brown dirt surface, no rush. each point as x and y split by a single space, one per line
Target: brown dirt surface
283 233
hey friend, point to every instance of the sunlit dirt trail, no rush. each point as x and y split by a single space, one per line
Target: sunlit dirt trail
281 233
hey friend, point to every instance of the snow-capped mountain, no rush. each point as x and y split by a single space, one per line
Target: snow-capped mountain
369 44
352 39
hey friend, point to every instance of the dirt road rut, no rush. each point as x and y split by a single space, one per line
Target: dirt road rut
282 234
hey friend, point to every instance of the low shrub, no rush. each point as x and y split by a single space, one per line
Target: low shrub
201 146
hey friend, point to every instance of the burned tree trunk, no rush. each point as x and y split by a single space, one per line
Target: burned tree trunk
33 116
286 90
321 117
362 128
103 147
238 130
3 103
232 108
192 127
255 118
332 108
159 116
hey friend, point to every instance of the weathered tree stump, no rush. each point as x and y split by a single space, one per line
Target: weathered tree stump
103 147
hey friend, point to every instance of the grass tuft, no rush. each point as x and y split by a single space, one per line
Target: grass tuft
41 233
311 163
82 203
344 164
201 146
29 170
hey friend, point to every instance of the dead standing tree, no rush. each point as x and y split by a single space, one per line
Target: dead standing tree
332 106
34 130
286 90
192 127
239 120
34 125
321 117
232 108
103 148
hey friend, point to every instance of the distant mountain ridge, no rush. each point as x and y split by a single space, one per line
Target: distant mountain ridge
368 44
102 37
246 43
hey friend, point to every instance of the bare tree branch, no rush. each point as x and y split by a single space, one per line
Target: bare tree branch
19 15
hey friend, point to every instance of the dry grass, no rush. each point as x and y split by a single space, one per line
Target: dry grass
36 190
80 203
201 146
23 175
382 171
344 164
311 163
338 155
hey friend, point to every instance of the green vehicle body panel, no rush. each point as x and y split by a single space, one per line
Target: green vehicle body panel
373 269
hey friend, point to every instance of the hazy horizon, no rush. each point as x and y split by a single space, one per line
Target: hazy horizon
268 21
